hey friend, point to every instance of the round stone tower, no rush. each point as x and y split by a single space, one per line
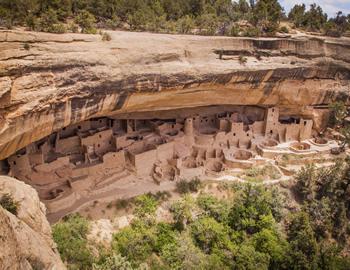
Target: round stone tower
188 130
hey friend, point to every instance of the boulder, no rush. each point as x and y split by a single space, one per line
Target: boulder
25 238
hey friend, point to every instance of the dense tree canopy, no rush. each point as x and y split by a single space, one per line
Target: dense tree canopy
254 230
315 19
207 17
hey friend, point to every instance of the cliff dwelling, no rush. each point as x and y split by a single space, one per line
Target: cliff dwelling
120 119
93 158
170 134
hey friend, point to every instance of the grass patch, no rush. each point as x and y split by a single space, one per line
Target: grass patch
258 174
8 203
124 203
160 196
184 186
106 36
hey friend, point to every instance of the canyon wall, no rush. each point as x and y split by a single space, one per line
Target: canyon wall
65 79
26 241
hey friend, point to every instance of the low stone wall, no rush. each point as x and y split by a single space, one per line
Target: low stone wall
63 201
143 162
165 151
204 139
238 159
300 147
241 164
54 165
190 173
114 159
68 145
321 142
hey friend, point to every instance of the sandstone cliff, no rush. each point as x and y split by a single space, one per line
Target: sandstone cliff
25 239
64 79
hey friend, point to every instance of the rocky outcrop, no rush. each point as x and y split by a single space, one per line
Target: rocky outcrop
25 239
64 79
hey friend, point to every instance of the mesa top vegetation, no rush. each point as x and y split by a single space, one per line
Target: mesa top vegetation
206 17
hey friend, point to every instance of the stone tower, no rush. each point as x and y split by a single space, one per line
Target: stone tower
271 122
188 130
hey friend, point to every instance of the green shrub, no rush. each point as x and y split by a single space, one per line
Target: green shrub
109 205
124 203
113 261
86 21
271 242
6 17
209 234
70 236
36 263
258 56
330 29
58 28
242 60
304 248
306 182
185 24
194 185
338 113
183 254
207 24
248 258
9 204
331 258
26 46
165 235
267 171
252 32
284 29
252 211
234 32
32 22
213 207
253 172
137 20
170 26
113 23
183 211
224 186
184 186
157 24
106 37
73 27
135 243
48 22
145 205
160 196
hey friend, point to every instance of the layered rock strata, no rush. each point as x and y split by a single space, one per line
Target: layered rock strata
65 79
25 239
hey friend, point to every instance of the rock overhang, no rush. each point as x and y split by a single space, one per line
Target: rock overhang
65 79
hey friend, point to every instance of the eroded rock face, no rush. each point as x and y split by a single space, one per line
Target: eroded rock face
65 79
25 239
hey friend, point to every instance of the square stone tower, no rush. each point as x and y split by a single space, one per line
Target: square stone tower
271 122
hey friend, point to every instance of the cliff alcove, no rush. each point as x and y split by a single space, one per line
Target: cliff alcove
81 118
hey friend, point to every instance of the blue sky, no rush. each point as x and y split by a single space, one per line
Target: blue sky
328 6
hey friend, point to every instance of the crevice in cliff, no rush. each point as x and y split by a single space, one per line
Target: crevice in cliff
34 39
21 57
55 68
